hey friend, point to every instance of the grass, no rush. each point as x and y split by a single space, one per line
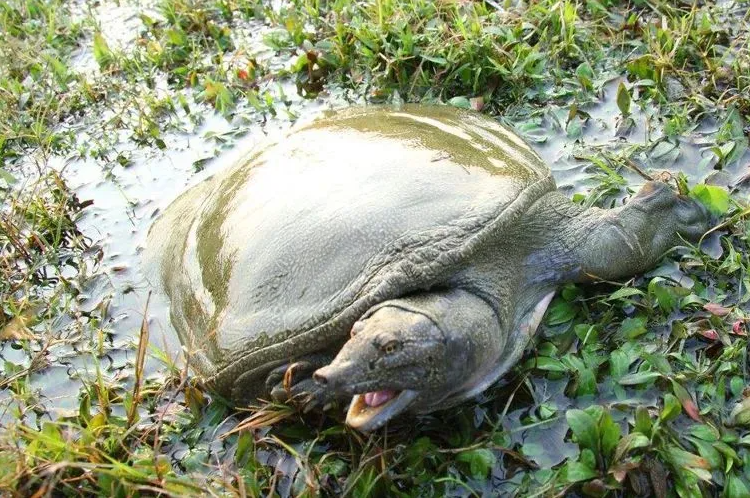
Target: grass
633 388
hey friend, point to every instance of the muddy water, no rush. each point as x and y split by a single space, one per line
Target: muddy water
127 199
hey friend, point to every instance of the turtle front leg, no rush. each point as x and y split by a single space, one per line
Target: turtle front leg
293 383
627 240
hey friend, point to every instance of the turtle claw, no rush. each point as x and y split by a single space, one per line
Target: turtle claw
293 383
307 395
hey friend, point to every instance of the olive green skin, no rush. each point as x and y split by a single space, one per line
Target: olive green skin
280 255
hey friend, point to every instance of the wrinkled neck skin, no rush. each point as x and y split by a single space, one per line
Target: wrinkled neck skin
555 229
471 328
573 244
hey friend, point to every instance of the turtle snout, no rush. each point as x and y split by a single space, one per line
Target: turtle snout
331 376
321 376
693 217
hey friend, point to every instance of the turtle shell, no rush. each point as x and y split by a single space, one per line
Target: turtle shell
278 256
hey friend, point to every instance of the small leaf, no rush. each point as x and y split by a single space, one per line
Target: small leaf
4 175
577 471
480 461
460 102
102 52
709 334
716 199
623 293
623 99
588 334
671 408
717 309
740 413
687 401
442 61
643 422
630 442
664 294
639 378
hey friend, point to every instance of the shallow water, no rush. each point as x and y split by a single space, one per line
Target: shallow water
127 199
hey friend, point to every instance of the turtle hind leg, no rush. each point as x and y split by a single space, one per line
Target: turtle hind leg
293 383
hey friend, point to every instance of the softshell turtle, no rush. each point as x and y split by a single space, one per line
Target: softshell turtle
404 257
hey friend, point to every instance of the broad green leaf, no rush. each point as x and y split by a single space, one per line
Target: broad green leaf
560 311
736 385
587 458
663 294
681 458
705 432
586 382
547 364
659 362
736 487
723 151
633 327
727 451
584 428
707 451
619 363
716 199
577 471
584 69
588 334
610 434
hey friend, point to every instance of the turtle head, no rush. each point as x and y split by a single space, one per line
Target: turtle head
396 360
670 215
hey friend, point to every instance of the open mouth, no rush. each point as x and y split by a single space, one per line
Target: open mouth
370 411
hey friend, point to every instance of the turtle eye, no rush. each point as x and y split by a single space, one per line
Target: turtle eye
390 347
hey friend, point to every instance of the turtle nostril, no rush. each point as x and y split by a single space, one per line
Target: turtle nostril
320 379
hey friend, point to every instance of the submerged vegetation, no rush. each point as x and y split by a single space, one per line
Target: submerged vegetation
633 388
